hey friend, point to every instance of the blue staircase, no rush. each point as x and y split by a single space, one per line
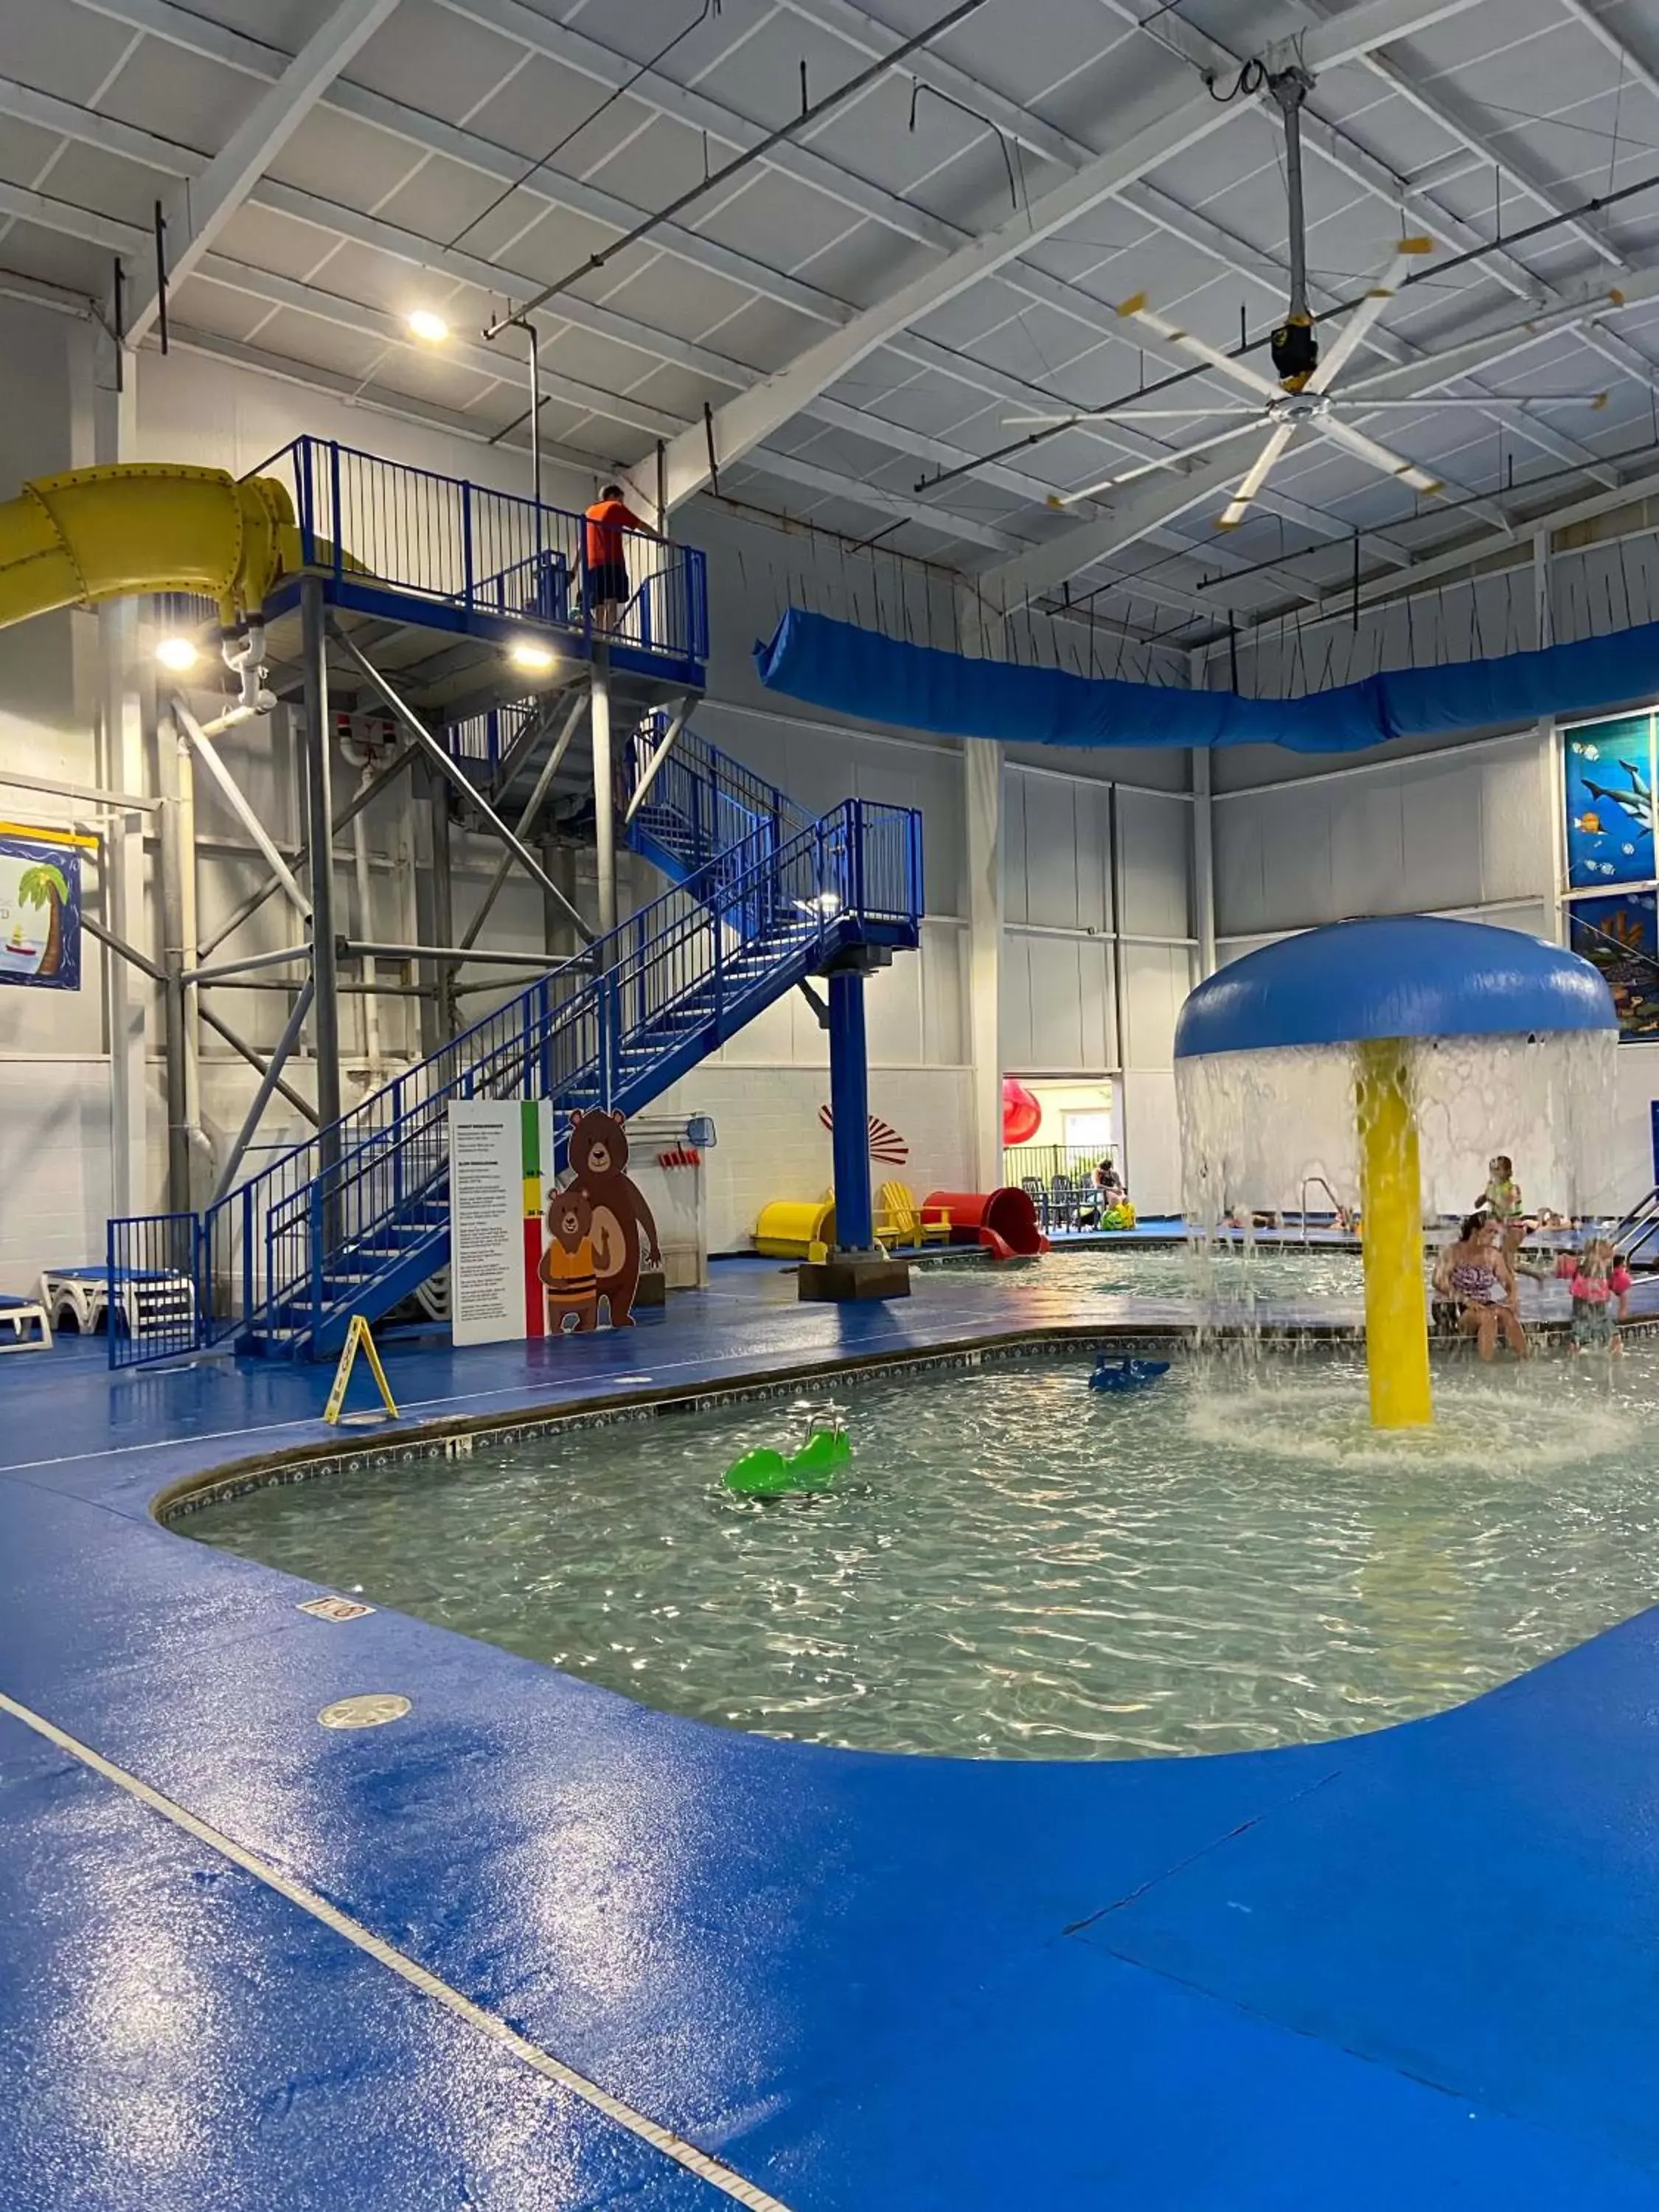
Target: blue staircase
762 895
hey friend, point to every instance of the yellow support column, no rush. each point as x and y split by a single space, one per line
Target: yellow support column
1397 1308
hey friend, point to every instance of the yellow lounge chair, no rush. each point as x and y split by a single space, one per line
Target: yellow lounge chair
898 1219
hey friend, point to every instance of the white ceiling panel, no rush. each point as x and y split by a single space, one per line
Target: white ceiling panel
342 158
25 151
760 332
90 178
282 23
546 106
427 57
216 307
179 95
268 240
303 338
61 49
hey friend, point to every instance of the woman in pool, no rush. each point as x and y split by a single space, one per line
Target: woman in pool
1475 1273
1599 1284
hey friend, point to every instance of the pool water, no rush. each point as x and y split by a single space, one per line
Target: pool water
1017 1568
1235 1276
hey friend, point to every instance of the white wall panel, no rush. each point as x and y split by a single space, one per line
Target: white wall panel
1437 832
1153 863
943 1040
54 1124
1156 980
1152 1141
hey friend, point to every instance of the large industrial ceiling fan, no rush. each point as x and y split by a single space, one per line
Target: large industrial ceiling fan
1302 400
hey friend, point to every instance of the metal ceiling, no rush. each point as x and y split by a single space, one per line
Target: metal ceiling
859 313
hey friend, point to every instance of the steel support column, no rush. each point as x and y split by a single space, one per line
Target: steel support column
604 790
849 1106
175 1056
320 837
443 907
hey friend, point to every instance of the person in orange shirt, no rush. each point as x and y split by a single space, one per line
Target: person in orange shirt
605 558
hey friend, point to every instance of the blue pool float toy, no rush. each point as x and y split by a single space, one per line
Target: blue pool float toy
1125 1374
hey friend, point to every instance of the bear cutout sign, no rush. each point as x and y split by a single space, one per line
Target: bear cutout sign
616 1211
529 1256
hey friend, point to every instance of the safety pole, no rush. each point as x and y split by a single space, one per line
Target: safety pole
1391 1216
849 1109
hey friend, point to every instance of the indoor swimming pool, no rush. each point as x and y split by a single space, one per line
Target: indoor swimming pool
1232 1274
1013 1567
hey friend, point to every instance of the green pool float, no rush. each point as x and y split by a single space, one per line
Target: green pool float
824 1451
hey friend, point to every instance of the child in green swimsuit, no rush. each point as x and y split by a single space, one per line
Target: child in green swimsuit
1501 1199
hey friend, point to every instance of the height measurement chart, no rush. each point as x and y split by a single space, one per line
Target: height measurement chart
501 1170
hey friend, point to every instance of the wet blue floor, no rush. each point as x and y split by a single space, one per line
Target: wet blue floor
1414 1965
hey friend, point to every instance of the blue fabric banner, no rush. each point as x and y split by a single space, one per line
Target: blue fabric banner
859 671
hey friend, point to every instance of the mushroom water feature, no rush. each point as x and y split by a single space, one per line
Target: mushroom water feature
1376 1065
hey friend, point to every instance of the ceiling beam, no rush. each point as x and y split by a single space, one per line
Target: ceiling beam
192 33
1153 130
200 210
47 112
164 20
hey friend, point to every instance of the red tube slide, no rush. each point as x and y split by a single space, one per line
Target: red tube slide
1004 1221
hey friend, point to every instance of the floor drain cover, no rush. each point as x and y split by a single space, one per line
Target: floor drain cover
373 1710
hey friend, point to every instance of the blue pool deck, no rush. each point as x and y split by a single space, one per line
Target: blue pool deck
533 1946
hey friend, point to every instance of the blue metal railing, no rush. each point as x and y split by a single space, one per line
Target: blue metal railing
487 552
611 1031
299 1244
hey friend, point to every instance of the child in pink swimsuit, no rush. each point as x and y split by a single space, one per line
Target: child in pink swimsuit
1600 1285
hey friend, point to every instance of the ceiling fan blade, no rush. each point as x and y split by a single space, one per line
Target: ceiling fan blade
1258 473
1223 363
1496 406
1171 460
1379 457
1129 414
1354 332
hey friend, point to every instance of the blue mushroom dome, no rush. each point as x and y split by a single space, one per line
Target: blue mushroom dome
1404 975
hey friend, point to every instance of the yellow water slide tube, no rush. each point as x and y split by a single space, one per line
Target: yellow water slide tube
144 527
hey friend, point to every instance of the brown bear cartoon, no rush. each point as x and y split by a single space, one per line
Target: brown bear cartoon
567 1263
598 1158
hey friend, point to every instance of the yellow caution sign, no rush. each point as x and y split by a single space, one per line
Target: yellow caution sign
357 1336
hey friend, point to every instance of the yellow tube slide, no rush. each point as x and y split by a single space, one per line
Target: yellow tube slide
93 534
1391 1213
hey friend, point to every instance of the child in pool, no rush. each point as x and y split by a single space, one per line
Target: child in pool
1501 1199
1599 1284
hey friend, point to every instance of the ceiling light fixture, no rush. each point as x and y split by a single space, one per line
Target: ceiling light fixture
534 659
178 654
431 329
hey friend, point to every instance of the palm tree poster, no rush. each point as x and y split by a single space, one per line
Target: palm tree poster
40 906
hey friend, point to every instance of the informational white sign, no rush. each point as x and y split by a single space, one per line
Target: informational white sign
487 1302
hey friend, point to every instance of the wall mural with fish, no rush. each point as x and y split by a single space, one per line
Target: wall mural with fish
1610 771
